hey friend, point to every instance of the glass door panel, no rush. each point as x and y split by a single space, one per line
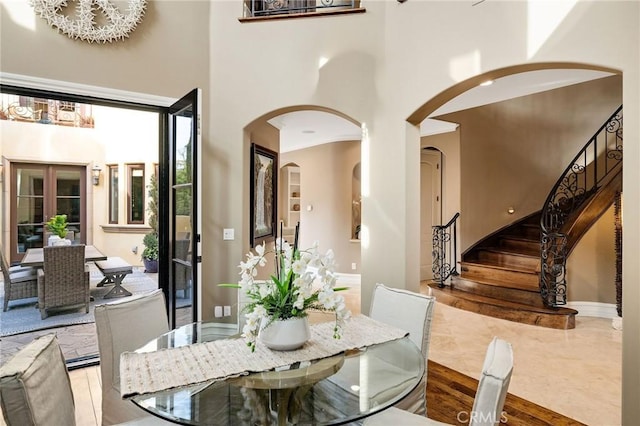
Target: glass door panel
183 136
29 212
69 200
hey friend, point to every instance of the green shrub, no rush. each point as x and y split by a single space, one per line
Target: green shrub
150 242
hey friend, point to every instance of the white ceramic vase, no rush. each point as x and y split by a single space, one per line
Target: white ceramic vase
62 242
284 335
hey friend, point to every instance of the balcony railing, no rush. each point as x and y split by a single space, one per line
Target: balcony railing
264 8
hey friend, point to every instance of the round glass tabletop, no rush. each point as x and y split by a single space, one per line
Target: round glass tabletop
329 391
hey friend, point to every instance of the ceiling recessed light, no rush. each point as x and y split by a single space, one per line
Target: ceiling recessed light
309 132
486 83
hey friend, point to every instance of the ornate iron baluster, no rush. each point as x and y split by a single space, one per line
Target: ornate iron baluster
276 7
444 251
580 180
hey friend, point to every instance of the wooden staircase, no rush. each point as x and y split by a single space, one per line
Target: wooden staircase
500 275
500 278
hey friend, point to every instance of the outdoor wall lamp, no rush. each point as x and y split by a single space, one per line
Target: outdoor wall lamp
95 173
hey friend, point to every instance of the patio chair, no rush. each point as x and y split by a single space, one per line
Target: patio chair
487 404
122 326
64 279
19 282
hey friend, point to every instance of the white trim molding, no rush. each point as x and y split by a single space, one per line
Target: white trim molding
594 309
352 280
38 83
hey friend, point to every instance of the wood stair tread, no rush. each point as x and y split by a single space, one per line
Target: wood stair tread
510 252
519 238
556 318
493 265
504 303
495 283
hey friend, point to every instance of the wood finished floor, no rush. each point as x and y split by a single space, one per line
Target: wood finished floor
449 399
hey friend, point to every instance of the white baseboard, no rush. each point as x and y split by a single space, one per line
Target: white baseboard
594 309
351 280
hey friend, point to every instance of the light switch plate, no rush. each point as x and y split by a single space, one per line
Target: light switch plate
228 234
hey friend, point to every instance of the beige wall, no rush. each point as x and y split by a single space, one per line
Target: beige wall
591 267
382 66
325 184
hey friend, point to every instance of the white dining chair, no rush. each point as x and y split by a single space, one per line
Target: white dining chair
126 325
488 403
412 312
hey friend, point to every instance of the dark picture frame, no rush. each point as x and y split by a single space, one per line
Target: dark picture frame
263 194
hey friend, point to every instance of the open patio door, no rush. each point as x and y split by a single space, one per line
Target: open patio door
183 210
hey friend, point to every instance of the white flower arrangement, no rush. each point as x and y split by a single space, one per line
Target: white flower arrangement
290 292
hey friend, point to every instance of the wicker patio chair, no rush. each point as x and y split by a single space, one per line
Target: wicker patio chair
64 279
19 283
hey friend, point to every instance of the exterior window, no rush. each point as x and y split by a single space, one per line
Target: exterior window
135 195
113 193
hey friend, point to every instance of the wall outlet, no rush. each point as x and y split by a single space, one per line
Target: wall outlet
217 311
353 266
227 311
228 234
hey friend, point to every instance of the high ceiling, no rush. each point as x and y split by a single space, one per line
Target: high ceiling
302 129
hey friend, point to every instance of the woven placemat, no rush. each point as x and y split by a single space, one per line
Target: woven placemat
148 372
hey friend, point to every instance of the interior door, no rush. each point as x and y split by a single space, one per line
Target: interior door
184 215
430 207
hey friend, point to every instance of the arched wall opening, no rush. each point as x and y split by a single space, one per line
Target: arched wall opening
315 180
510 153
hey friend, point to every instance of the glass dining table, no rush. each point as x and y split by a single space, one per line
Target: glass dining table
340 389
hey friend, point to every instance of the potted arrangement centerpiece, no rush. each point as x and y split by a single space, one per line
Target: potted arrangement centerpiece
57 225
276 314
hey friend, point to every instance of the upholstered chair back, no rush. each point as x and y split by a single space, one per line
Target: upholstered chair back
412 312
493 384
126 325
34 386
488 404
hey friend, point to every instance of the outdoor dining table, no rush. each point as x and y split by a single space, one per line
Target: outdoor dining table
337 389
35 256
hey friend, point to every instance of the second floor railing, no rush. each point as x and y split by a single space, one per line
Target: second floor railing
257 8
445 242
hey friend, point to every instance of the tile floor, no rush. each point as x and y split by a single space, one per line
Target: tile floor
574 372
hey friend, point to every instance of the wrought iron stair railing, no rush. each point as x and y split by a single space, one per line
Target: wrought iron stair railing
582 178
445 242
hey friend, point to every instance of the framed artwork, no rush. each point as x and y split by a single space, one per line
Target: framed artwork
263 193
